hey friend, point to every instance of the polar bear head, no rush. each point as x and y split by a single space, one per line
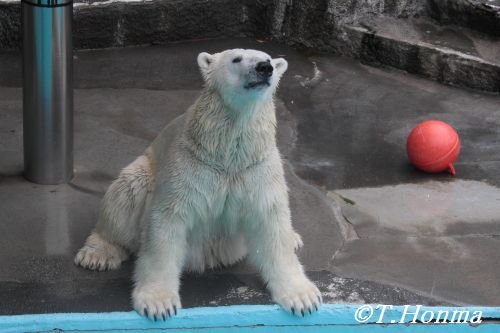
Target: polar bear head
242 76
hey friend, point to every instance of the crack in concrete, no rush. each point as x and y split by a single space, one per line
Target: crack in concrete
347 229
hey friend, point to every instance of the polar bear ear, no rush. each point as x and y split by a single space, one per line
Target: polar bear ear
204 61
280 65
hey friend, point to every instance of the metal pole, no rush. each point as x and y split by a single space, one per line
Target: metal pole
48 90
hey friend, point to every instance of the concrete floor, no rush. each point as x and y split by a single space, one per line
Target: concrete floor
375 230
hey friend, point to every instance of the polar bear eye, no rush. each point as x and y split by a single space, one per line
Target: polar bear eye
236 60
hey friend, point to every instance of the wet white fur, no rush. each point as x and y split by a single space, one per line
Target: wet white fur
209 191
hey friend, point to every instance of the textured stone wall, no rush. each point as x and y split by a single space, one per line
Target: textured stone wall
10 25
163 21
319 24
304 23
100 24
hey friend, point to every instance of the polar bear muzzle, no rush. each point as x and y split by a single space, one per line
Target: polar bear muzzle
264 68
264 71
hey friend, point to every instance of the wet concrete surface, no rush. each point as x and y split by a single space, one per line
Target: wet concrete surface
450 228
352 131
342 127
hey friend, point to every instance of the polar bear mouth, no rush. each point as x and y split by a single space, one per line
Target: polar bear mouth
257 84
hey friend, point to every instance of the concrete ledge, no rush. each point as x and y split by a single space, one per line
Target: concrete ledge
451 56
482 15
255 318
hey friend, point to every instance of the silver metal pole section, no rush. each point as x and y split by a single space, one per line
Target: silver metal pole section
48 90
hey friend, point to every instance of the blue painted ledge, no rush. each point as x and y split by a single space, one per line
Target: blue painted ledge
253 319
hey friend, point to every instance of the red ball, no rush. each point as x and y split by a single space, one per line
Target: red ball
433 146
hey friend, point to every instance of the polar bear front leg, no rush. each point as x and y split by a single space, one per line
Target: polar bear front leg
159 267
272 250
272 245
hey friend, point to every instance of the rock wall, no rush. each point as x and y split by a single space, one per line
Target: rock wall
309 24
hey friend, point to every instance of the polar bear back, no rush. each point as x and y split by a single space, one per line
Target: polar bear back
161 148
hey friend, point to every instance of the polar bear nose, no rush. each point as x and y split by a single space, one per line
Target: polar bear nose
264 68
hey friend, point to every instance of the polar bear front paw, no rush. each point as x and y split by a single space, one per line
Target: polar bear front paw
100 255
155 302
299 298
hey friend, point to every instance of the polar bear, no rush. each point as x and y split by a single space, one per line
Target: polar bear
209 191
